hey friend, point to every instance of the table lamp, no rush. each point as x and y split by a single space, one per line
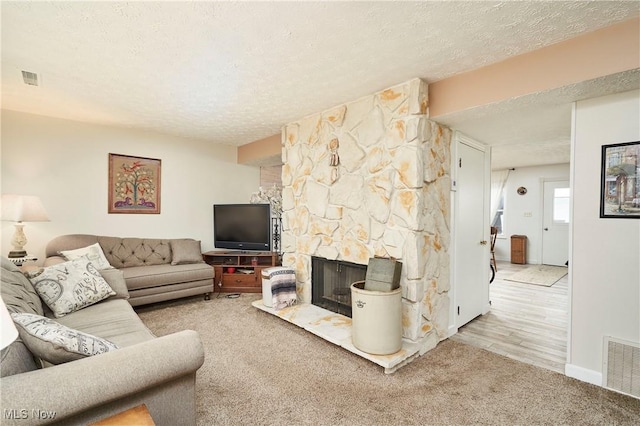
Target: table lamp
21 208
8 331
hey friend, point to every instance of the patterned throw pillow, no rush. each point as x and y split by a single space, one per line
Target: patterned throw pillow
56 343
70 286
93 252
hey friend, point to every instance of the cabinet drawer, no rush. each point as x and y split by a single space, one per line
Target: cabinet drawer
239 280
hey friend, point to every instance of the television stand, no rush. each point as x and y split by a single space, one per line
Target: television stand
239 271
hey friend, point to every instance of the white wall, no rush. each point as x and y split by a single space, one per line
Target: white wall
516 206
605 261
65 163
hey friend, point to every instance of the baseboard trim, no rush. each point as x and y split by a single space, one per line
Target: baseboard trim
529 261
583 374
451 330
487 308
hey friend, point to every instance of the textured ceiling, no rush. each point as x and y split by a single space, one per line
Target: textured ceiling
235 72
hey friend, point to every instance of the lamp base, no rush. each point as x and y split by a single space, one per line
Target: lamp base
21 253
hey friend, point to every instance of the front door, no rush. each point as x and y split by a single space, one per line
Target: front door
555 222
471 245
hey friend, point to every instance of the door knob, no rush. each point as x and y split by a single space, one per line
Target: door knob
546 229
483 243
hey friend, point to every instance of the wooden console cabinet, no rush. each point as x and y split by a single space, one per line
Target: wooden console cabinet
519 249
239 272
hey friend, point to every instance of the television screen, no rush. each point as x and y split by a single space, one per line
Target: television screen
242 226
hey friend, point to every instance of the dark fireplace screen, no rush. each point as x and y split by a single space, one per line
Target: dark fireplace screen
331 283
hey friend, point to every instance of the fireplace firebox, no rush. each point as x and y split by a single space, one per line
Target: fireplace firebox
331 283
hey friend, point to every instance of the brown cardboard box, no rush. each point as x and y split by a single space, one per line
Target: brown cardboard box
383 274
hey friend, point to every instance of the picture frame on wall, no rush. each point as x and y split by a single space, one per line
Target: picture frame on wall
620 181
134 184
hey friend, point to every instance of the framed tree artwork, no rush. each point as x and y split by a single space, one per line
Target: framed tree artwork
620 181
134 184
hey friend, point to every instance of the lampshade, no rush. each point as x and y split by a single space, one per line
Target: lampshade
8 331
23 208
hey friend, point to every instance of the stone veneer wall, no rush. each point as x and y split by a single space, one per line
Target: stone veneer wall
388 196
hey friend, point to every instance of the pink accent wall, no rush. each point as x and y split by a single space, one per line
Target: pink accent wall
600 53
260 150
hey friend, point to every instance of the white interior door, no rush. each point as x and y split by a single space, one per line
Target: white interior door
471 245
555 222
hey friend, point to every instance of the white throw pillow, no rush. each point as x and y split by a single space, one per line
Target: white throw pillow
70 286
93 252
56 343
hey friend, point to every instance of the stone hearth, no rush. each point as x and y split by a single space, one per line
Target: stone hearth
336 328
372 178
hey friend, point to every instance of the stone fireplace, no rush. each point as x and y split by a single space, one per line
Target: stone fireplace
372 178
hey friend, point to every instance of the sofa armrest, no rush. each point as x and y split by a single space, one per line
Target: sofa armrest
75 387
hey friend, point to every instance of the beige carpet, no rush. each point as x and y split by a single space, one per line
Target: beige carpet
545 275
261 370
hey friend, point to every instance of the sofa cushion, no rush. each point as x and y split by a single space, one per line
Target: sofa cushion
70 286
130 252
17 291
145 277
93 252
185 251
17 359
115 279
112 319
56 343
19 296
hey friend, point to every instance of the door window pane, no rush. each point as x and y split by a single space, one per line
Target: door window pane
561 205
498 219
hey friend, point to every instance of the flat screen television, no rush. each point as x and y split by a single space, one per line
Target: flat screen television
242 226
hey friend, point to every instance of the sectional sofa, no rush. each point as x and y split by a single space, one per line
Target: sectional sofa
114 362
155 270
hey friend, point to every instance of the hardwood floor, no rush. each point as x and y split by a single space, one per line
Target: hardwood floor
527 322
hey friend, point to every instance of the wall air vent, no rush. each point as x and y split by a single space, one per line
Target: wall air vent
30 78
621 366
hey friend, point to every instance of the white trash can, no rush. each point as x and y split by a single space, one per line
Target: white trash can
376 320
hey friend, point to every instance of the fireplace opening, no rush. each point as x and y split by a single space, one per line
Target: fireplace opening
331 283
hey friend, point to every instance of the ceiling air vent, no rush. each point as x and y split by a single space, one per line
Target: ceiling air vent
30 78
